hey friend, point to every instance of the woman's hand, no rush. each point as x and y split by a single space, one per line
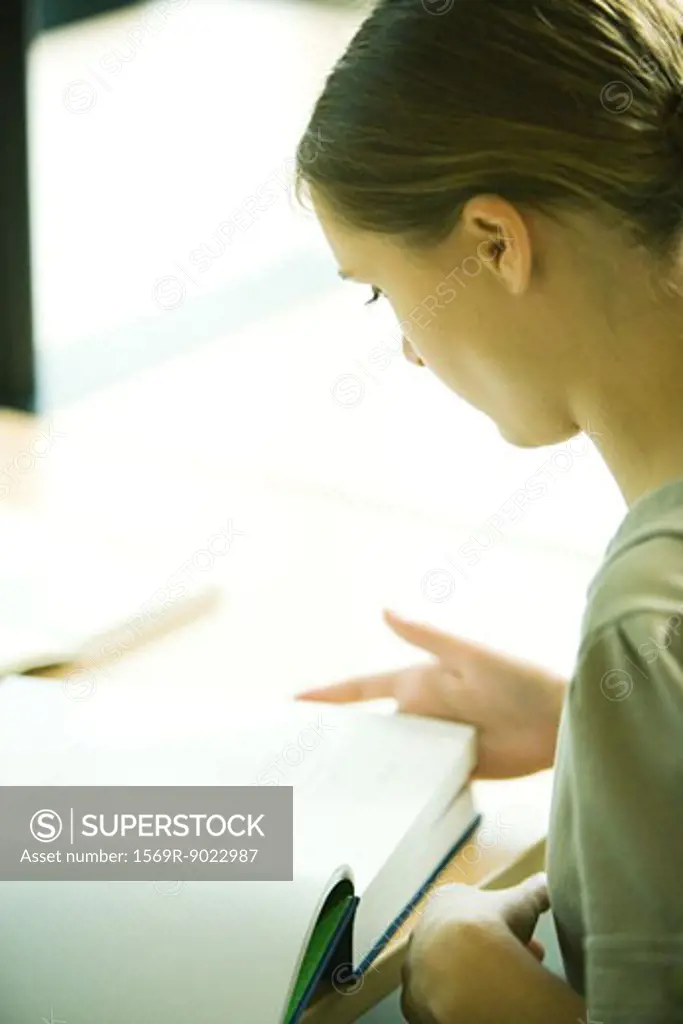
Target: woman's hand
458 935
515 706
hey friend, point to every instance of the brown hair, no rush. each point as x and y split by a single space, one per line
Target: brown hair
544 102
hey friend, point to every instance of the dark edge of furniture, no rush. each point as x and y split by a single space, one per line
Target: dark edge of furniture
17 358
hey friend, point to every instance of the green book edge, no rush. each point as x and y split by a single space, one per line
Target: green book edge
325 930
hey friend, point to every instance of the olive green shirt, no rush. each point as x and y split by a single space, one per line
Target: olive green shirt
615 850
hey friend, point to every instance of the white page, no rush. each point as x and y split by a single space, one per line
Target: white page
63 599
209 952
126 951
368 776
359 780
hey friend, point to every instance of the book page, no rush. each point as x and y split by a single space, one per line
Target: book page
360 781
63 598
146 952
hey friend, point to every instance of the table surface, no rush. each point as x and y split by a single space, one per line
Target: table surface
299 591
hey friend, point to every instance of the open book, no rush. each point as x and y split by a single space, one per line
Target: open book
381 801
63 600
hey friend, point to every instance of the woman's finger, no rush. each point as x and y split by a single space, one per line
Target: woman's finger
537 949
436 641
522 905
363 688
535 889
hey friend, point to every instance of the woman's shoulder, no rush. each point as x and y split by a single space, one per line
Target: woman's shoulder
641 578
632 629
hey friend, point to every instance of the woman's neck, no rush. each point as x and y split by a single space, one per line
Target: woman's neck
636 422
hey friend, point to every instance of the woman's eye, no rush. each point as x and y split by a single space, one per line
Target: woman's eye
376 294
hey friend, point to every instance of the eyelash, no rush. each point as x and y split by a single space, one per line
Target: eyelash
376 295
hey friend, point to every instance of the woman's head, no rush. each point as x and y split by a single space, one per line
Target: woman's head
509 173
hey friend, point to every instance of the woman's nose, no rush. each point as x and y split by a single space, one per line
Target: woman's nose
410 353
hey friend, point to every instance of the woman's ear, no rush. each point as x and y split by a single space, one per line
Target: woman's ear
502 239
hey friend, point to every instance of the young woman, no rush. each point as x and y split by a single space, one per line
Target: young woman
537 146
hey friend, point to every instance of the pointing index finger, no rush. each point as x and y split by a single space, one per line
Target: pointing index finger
363 688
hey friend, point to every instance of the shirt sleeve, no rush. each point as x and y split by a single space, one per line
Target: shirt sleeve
625 709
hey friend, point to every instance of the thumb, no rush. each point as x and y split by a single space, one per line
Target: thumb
537 949
523 905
